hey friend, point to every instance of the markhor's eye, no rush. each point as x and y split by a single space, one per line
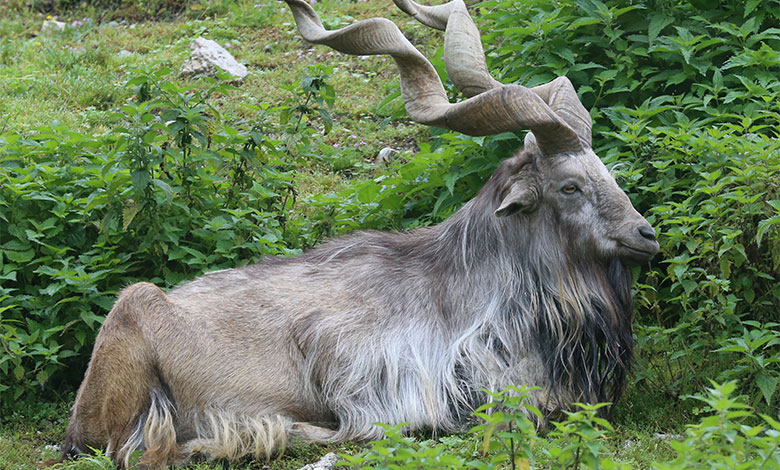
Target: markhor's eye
570 189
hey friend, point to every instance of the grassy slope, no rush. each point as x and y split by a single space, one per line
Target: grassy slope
77 77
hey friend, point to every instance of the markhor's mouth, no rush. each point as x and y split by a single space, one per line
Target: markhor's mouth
637 254
631 249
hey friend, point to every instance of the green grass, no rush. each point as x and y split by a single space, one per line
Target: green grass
77 77
31 437
24 436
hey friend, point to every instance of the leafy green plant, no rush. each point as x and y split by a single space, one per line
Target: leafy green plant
98 461
426 189
723 440
316 94
505 439
576 442
399 452
758 357
713 183
169 193
508 433
636 50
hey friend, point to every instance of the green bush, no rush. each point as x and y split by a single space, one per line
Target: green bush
399 452
721 440
709 190
169 193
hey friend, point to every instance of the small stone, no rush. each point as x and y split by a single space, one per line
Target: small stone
327 462
51 447
207 56
668 437
124 53
53 25
384 156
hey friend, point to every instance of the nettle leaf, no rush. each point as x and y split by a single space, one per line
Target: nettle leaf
657 23
166 188
42 376
768 385
606 75
450 179
140 180
52 288
751 5
327 120
367 192
20 256
566 54
689 285
19 372
105 302
764 226
717 78
129 212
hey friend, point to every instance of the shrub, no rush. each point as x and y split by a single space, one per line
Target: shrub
708 189
169 193
399 452
723 440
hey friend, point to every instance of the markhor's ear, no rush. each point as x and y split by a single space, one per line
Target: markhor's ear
521 198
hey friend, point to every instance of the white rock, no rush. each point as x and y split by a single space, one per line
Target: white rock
206 55
53 448
53 25
325 463
385 155
124 53
668 437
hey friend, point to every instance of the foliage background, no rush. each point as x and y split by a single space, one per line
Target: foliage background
173 182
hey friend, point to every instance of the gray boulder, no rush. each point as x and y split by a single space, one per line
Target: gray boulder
207 56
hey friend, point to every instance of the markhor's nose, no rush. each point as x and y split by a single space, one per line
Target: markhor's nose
647 232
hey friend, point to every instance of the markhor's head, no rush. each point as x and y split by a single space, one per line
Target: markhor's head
579 197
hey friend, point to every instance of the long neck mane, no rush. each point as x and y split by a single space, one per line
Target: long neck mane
518 287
